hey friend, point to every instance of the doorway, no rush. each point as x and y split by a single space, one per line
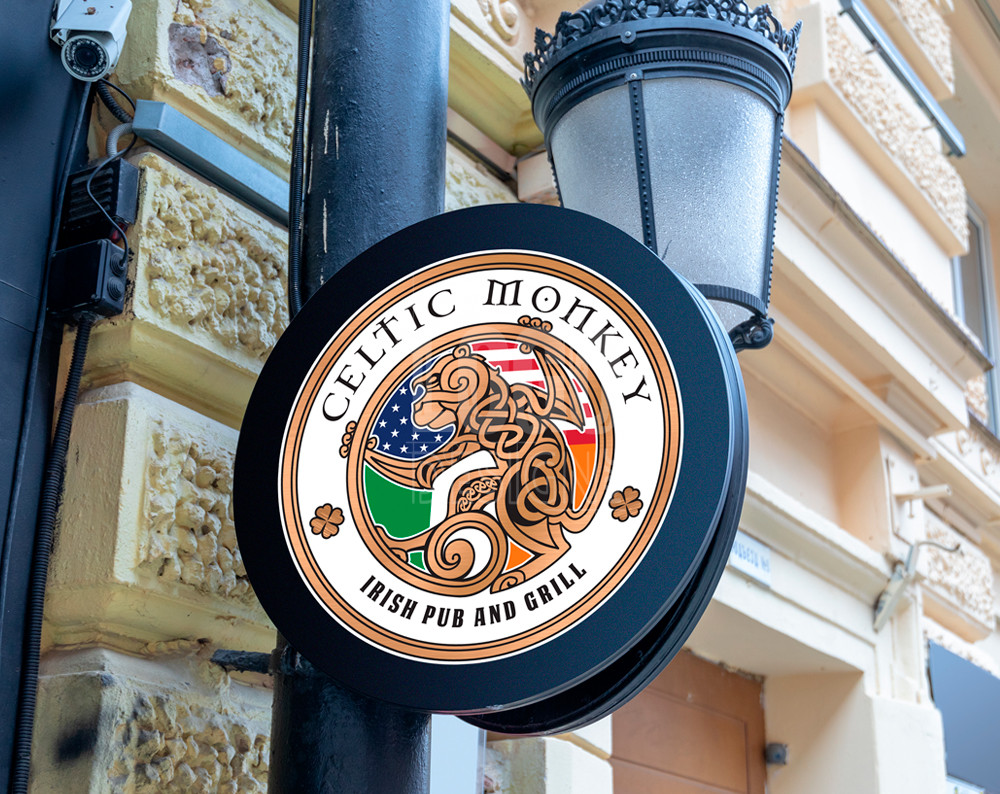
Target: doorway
697 729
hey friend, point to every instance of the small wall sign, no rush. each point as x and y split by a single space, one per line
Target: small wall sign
486 459
751 557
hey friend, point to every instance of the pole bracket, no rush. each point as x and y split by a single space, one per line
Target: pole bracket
243 661
755 333
902 575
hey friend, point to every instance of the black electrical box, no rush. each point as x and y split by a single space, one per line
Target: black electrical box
116 189
89 277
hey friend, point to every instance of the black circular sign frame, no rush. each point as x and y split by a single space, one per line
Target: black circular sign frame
636 628
616 684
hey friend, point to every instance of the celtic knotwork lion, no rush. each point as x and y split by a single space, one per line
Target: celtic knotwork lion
531 484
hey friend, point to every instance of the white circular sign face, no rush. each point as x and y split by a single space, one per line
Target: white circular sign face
480 457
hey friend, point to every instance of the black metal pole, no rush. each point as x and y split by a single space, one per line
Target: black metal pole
377 126
325 738
376 163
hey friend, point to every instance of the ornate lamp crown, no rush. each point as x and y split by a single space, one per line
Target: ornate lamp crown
572 27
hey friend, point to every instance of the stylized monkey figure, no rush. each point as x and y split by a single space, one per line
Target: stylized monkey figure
530 484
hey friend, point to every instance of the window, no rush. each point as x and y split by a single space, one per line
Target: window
975 305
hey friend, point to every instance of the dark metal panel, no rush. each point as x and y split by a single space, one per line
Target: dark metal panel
326 739
41 104
968 698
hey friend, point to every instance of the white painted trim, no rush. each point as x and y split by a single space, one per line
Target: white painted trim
812 541
867 305
872 263
826 366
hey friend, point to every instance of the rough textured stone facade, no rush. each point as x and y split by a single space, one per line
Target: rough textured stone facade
132 725
189 514
154 562
259 55
167 745
467 183
871 94
929 28
977 399
965 575
979 452
229 63
210 266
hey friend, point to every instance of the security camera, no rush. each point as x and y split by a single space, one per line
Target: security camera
91 33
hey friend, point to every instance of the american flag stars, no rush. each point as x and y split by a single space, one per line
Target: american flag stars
398 435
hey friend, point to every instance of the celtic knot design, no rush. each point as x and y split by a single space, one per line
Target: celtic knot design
526 496
574 26
478 493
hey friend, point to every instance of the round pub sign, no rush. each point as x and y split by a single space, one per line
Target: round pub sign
488 459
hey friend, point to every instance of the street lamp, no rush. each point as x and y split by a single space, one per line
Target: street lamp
665 120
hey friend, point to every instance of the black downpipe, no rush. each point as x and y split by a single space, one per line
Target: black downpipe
326 739
377 126
296 187
49 507
377 133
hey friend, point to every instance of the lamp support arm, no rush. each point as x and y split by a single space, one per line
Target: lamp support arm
902 575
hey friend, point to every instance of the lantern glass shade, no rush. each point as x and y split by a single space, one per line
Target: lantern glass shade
711 159
596 155
669 127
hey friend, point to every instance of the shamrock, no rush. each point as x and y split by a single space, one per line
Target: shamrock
327 521
625 503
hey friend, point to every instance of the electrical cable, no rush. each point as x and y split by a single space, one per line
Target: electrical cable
49 506
296 189
112 145
104 92
115 135
296 197
56 465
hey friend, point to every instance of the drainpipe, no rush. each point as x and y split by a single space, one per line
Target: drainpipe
377 126
375 164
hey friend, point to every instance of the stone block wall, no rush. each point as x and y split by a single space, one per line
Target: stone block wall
886 112
229 64
146 580
207 299
146 548
173 725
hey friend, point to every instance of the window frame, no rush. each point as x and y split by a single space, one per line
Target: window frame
987 286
